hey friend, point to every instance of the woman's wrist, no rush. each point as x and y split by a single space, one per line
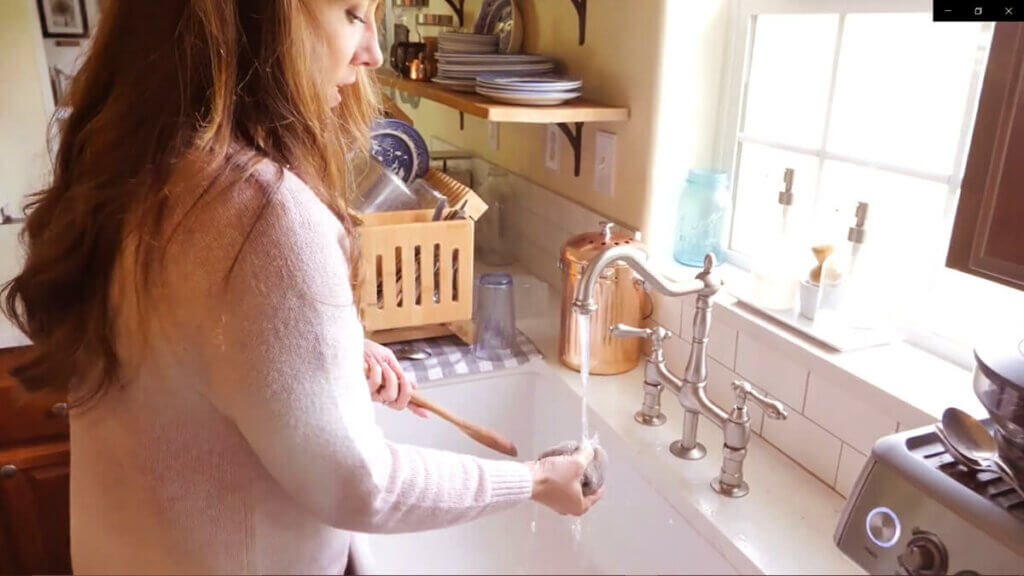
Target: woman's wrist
540 479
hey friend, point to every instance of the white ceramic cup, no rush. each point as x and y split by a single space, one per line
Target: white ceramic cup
810 297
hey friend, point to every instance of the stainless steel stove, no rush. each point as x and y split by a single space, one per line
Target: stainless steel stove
914 510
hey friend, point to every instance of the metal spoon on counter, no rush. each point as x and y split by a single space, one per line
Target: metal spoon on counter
411 352
973 441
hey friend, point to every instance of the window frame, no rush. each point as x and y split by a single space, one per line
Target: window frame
738 58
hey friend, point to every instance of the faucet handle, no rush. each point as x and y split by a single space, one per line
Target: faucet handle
656 335
772 408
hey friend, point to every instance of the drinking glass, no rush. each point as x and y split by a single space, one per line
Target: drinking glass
495 317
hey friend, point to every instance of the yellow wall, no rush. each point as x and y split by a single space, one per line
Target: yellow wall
24 96
619 65
690 97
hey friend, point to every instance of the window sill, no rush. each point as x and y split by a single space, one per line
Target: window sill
902 380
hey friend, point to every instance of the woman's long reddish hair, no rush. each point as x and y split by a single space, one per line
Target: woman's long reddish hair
228 82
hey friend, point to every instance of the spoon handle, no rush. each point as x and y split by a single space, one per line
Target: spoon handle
1007 473
953 451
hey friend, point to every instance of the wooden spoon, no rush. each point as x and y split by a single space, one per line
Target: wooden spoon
488 438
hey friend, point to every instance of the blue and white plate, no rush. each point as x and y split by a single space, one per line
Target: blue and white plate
399 148
503 19
480 26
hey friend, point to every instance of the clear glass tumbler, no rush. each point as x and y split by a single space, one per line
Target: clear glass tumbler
495 316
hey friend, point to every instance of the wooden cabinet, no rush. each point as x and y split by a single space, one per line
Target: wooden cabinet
34 508
34 478
988 236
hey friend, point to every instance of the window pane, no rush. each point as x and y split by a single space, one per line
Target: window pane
974 310
902 89
758 183
790 71
906 238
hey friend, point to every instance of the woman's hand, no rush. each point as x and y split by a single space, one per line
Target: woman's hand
388 383
557 482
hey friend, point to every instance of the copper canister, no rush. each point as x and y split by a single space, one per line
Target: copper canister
620 298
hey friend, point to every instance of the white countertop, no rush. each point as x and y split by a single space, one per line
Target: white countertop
785 525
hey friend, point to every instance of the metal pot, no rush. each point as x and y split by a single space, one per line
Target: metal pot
619 294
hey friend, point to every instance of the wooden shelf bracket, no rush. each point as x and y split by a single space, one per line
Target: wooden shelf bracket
581 11
458 6
576 141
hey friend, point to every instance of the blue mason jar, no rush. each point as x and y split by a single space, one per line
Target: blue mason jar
703 210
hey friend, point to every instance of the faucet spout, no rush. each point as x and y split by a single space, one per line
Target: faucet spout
706 283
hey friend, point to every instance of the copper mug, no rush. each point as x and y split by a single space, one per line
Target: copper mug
620 298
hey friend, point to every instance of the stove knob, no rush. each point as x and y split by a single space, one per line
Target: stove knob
925 555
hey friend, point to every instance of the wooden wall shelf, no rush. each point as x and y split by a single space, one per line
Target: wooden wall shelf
570 115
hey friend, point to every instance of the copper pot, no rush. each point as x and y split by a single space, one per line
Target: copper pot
620 297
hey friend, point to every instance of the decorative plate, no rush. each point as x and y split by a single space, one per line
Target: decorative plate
481 18
399 148
504 20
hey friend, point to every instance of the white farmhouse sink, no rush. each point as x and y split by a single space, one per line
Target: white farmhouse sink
632 530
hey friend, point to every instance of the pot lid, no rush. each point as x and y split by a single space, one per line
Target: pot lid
1002 363
583 248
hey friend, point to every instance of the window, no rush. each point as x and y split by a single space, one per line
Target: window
870 101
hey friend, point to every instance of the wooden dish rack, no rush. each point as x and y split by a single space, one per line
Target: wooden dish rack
418 273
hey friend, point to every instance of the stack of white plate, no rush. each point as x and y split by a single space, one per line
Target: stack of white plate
458 70
466 43
529 90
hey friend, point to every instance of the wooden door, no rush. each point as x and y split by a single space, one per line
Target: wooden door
34 491
988 233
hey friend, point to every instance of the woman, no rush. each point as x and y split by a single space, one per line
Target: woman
189 281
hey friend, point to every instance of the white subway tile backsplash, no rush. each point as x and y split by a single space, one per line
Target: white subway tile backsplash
677 353
540 261
915 420
667 311
850 464
769 370
537 230
721 338
722 342
807 443
544 202
720 392
846 416
583 220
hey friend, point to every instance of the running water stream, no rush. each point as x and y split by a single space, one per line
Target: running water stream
583 331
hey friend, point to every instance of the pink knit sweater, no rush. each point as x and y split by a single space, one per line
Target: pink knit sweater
242 437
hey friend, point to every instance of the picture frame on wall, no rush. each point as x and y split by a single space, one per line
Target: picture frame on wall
63 18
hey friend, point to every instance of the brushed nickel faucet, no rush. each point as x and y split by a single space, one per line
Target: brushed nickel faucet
691 389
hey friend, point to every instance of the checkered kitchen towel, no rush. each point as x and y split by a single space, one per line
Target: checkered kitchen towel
452 357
